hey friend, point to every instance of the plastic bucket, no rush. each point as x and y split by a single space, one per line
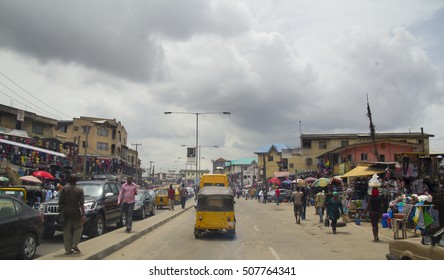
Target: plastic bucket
358 221
384 223
385 215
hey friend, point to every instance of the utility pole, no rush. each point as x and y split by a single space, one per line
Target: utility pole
86 131
372 130
137 162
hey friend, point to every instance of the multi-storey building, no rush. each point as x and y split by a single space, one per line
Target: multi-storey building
338 152
89 145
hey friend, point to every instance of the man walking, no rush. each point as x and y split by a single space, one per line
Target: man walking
319 204
183 196
127 198
277 194
71 206
171 197
297 204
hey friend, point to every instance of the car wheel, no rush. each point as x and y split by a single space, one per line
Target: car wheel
99 226
143 213
28 247
48 233
153 210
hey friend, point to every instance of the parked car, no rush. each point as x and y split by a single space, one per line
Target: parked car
21 228
144 204
101 209
430 247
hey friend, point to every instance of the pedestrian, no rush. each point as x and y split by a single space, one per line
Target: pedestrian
297 204
261 196
265 192
127 199
334 209
277 194
304 203
49 194
374 207
319 204
183 196
71 207
171 197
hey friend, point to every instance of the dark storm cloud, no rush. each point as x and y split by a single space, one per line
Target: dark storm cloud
120 37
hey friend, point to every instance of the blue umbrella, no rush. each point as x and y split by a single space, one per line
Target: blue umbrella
287 182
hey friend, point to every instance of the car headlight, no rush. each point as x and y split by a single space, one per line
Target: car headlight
90 205
137 206
42 208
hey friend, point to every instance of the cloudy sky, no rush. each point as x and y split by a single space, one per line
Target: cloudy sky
281 67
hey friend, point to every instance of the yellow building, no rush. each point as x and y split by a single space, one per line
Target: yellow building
279 159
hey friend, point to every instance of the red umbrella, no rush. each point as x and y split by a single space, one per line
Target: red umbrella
275 181
43 174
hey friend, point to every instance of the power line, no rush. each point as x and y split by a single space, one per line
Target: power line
31 96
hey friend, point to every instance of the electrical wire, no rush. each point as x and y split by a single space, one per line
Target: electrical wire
27 92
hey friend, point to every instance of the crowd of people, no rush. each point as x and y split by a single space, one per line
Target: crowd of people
334 202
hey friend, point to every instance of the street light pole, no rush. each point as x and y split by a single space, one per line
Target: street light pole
197 132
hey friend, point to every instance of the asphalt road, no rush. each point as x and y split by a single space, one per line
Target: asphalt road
264 232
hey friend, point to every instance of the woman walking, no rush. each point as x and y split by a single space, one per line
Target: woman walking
334 210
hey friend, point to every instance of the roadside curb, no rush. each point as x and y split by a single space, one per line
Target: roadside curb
102 246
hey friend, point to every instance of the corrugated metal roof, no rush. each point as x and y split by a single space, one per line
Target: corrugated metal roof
266 149
243 161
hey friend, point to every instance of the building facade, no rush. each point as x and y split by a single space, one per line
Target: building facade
330 152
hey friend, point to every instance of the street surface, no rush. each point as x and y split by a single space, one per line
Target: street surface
264 232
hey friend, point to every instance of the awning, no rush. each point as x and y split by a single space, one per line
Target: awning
362 171
32 148
14 132
281 174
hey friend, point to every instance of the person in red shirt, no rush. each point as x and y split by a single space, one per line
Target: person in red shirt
171 197
277 193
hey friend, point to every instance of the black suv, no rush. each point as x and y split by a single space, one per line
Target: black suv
101 209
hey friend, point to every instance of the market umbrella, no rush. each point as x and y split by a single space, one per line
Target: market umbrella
301 183
287 182
275 181
310 180
31 179
321 182
4 179
43 174
336 179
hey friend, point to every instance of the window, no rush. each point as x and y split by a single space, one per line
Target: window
382 158
270 158
245 168
102 146
291 165
306 144
344 143
37 128
322 144
102 131
363 156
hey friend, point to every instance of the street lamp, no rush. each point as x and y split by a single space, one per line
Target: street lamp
197 130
